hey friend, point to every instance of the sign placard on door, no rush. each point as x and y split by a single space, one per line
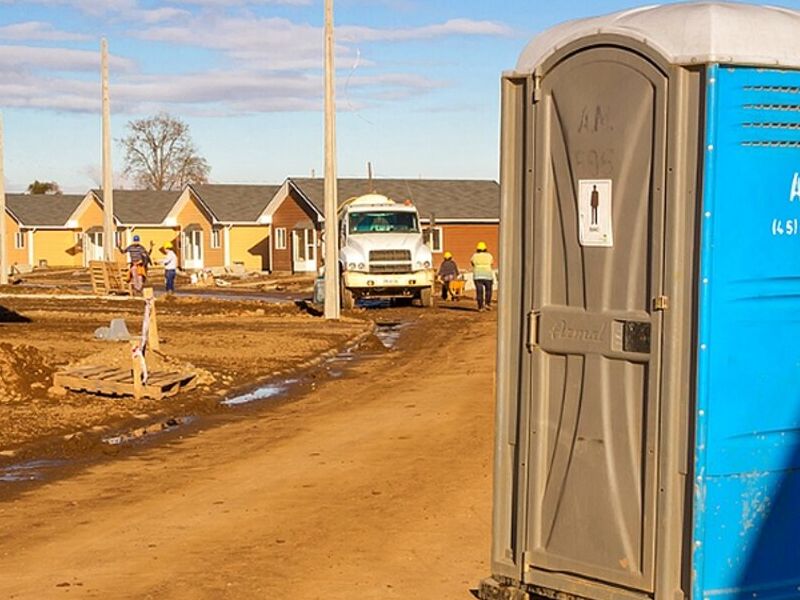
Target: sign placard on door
595 225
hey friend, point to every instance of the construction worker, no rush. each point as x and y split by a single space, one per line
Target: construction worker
138 261
448 271
483 276
170 262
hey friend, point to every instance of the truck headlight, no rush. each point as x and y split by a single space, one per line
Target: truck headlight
351 266
360 266
427 264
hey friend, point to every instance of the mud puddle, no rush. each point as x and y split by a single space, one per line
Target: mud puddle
264 392
148 431
389 332
32 470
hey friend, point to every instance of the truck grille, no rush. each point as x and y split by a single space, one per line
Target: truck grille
390 261
390 255
390 268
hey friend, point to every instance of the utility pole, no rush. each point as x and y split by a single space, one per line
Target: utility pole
332 306
108 180
3 229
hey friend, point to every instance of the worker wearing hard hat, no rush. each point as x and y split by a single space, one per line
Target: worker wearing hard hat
170 262
138 261
483 275
448 271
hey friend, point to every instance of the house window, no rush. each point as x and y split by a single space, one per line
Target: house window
215 238
19 240
280 238
434 238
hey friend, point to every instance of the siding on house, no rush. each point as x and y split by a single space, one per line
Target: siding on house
57 248
249 245
91 219
191 214
15 256
158 236
460 240
288 215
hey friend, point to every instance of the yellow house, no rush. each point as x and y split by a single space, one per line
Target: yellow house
158 217
210 226
17 243
241 226
41 230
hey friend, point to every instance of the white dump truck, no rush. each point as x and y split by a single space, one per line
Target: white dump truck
382 252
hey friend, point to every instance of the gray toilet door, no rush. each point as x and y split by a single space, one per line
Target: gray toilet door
597 255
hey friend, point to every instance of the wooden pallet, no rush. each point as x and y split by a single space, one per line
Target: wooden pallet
108 278
114 381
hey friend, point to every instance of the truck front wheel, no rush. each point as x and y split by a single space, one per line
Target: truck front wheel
348 298
426 297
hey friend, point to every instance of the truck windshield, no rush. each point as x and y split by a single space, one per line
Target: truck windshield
388 222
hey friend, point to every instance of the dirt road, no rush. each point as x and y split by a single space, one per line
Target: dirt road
374 485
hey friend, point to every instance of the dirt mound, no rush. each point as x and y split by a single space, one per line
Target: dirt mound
119 355
23 372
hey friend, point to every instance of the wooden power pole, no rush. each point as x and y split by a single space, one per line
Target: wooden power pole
332 306
3 228
108 179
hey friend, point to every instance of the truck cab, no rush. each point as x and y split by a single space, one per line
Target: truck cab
382 252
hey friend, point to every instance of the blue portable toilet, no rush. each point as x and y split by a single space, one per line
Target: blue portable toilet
648 383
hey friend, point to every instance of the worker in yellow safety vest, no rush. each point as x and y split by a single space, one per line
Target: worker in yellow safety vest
483 275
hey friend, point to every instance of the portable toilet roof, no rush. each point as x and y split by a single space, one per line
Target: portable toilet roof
687 33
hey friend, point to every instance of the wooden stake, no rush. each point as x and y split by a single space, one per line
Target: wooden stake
109 253
332 306
138 388
3 231
152 330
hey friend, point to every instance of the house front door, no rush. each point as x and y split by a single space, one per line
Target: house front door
192 249
304 250
93 246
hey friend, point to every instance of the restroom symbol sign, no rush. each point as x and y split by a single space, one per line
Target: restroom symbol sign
595 225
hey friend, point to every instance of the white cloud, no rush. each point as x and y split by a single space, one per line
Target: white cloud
37 30
453 27
15 58
92 7
278 44
157 15
117 10
265 43
267 65
228 3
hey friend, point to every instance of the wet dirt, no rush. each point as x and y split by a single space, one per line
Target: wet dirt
372 484
231 345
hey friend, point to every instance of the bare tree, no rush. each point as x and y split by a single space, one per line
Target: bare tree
160 154
44 187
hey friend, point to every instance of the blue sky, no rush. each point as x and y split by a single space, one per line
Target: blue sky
417 82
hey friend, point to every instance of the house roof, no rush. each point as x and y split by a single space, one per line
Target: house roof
687 33
141 207
451 199
235 203
42 210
